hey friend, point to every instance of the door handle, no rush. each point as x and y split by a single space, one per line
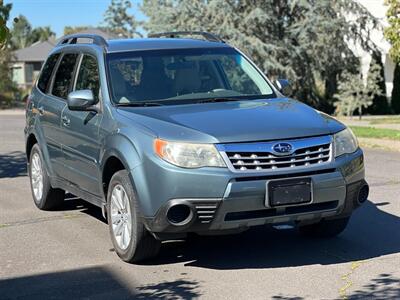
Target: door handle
41 110
66 121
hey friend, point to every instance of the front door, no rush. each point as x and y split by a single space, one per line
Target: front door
81 142
52 104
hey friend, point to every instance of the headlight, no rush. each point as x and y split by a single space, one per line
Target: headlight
345 142
189 155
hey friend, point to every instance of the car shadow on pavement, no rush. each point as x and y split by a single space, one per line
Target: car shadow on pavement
73 203
91 283
371 233
384 286
12 164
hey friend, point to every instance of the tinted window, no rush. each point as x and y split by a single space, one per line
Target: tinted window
184 75
44 79
88 76
62 81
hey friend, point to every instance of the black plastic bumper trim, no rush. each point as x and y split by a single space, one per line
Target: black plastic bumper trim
266 213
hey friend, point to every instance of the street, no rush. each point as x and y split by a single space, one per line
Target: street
68 253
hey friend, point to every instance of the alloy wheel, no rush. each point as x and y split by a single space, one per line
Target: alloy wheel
37 176
121 216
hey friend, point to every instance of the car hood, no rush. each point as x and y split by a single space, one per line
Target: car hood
239 121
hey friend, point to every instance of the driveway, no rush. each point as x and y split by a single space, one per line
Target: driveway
68 254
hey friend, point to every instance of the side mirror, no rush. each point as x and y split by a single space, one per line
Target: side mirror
283 86
81 100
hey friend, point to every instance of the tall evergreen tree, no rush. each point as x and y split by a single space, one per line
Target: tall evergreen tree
304 40
380 105
355 94
118 20
396 90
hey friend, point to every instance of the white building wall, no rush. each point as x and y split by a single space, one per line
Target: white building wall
378 10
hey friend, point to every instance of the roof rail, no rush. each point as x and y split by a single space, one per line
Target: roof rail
72 39
172 34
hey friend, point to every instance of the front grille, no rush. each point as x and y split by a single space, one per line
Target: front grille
307 152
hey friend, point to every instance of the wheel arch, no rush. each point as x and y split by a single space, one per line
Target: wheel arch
30 142
121 155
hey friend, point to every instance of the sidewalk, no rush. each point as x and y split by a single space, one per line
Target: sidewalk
380 122
12 111
389 122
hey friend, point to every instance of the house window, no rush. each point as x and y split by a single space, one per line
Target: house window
18 75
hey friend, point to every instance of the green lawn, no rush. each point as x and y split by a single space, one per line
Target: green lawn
388 120
379 133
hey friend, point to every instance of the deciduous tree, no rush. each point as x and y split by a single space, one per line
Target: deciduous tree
23 35
7 87
74 29
392 32
42 34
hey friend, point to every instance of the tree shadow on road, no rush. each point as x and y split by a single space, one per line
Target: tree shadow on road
93 283
371 233
12 164
179 289
384 286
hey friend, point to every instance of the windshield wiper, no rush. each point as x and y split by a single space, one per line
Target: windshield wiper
139 104
218 99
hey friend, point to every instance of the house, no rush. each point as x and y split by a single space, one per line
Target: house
27 62
378 10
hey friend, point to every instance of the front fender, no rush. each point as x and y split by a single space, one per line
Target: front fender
122 148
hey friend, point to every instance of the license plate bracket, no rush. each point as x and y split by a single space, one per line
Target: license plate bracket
285 192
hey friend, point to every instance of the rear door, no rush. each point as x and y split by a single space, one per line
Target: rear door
80 131
53 103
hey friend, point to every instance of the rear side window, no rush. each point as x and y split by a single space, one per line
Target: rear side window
88 76
63 78
44 78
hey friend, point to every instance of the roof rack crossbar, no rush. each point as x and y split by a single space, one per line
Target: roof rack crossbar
72 39
173 34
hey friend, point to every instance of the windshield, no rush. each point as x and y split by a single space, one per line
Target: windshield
183 76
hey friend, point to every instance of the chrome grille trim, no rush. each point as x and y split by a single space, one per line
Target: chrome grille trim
260 157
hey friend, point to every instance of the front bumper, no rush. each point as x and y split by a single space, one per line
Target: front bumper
234 202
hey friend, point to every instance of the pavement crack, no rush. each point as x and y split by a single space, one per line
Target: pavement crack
346 278
41 220
390 182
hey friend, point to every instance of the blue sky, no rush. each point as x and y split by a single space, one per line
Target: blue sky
60 13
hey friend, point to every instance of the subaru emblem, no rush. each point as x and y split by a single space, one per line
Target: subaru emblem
283 149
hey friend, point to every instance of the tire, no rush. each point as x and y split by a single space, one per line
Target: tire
49 198
140 245
324 228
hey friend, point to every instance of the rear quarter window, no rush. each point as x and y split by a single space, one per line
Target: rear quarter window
45 75
64 74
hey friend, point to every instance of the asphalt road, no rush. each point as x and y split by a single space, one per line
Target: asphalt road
68 253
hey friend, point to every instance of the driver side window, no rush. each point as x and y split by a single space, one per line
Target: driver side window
88 76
